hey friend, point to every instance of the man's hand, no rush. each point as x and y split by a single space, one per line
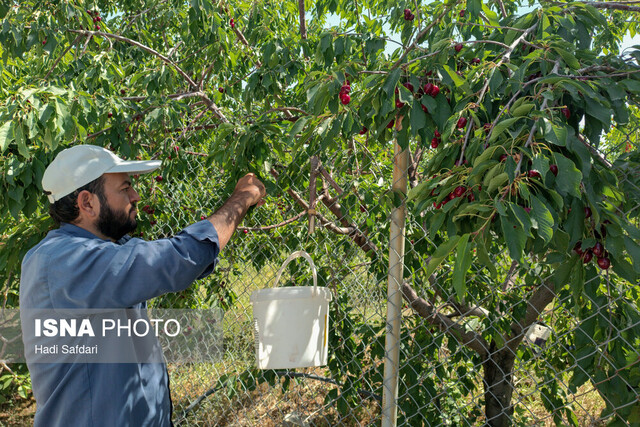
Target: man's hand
251 185
248 192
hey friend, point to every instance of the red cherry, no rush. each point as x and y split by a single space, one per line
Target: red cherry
153 222
408 86
471 197
436 133
95 20
364 130
345 99
435 142
158 178
462 13
98 27
554 169
390 124
426 111
462 121
245 231
122 91
604 263
475 61
221 89
487 127
435 90
503 157
534 174
99 18
587 256
458 47
598 249
587 212
428 88
399 104
566 112
44 42
578 248
232 24
459 191
110 115
451 196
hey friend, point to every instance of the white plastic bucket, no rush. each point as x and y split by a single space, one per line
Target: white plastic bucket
291 324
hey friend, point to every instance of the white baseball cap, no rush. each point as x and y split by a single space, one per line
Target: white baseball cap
79 165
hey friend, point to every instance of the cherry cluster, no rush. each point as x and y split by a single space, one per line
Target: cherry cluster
435 141
408 16
459 191
232 23
96 17
344 93
602 256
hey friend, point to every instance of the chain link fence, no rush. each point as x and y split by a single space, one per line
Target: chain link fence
444 379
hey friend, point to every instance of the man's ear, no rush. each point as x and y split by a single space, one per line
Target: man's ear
88 205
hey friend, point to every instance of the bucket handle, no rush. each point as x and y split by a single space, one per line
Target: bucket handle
306 256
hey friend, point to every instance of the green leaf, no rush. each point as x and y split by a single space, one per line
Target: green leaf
522 110
497 181
515 237
631 85
562 274
463 262
391 82
6 135
501 127
21 142
297 128
418 118
543 219
455 78
569 177
485 260
555 134
567 57
634 252
440 254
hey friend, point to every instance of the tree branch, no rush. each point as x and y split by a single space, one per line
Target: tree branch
539 300
55 64
303 25
271 227
505 58
613 5
353 232
427 311
194 86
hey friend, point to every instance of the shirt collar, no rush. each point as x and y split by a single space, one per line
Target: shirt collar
74 230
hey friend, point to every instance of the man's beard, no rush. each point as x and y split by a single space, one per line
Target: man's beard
115 224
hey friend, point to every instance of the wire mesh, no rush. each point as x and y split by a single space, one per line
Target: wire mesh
442 376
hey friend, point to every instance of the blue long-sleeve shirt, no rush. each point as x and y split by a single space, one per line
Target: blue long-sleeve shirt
72 268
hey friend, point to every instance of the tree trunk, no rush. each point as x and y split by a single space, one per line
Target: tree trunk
498 387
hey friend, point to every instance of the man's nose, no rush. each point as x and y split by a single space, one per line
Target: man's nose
134 197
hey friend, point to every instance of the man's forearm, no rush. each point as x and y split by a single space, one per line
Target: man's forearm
228 217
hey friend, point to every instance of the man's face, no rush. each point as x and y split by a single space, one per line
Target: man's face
118 215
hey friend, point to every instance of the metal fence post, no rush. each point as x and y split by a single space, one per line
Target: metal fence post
394 294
